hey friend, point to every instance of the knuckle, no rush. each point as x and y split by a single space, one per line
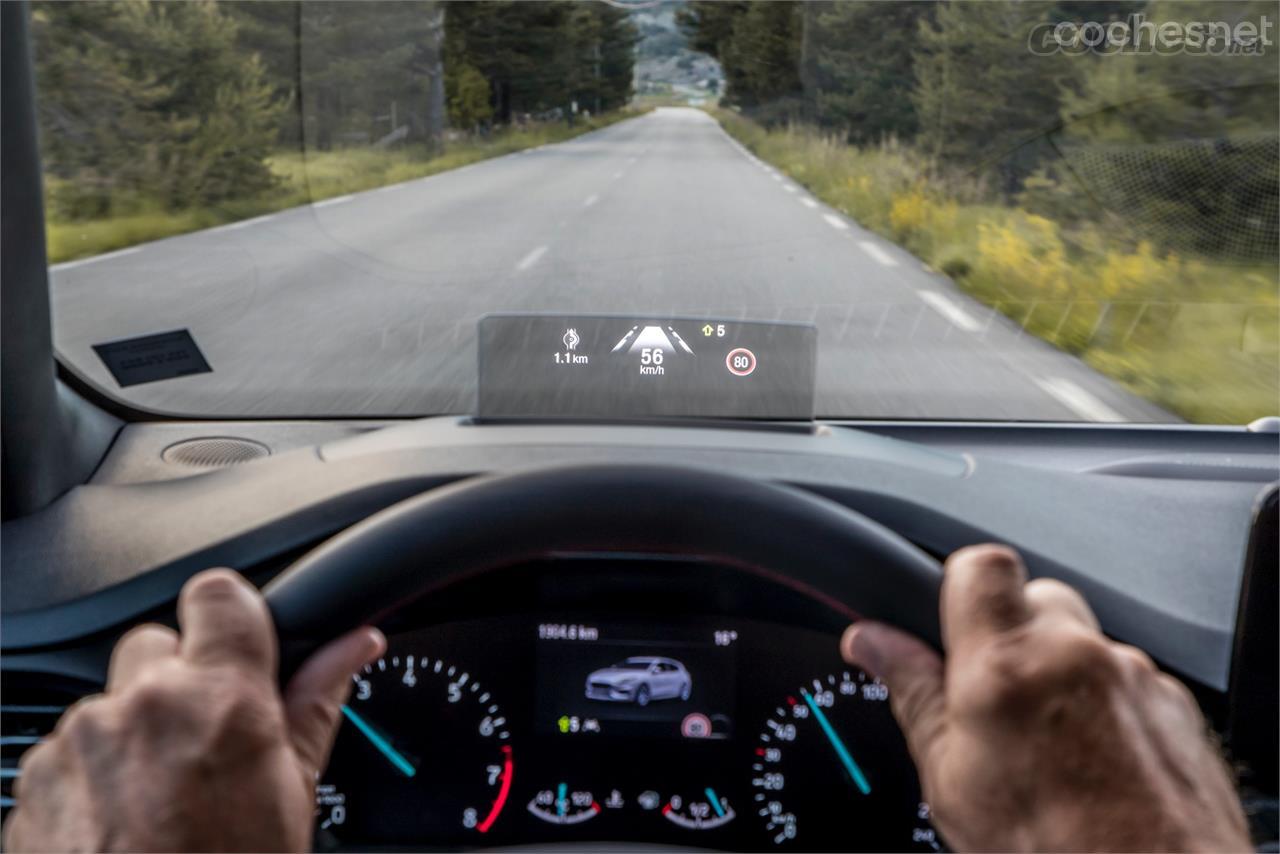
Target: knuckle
244 713
1033 668
991 557
1134 661
213 586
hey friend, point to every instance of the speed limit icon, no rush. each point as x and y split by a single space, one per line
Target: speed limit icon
740 362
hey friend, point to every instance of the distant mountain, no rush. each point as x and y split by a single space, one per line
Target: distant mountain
664 62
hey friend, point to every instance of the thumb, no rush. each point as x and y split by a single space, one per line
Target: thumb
314 696
913 673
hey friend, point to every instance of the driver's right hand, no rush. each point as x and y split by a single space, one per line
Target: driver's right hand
1037 733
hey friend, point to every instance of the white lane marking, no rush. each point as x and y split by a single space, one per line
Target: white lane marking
335 201
808 202
950 311
119 253
631 160
877 253
835 222
532 258
590 200
775 176
790 188
1078 400
615 176
245 223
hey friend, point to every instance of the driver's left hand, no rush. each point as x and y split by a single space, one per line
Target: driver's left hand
192 746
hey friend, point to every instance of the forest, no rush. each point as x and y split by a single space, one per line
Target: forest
147 105
1121 205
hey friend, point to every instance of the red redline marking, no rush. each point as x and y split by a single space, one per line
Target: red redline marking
791 701
666 809
501 800
759 751
595 806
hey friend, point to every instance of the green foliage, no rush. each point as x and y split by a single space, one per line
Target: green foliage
468 93
864 57
542 56
759 45
1196 335
979 90
149 102
302 179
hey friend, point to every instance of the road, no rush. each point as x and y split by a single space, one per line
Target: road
367 304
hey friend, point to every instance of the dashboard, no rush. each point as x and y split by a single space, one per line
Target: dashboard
643 699
553 728
657 700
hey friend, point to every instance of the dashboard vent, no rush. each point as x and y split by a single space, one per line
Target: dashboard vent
29 710
214 452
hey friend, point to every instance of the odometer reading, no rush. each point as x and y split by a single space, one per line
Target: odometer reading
820 762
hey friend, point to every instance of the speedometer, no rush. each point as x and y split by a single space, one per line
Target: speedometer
438 737
830 770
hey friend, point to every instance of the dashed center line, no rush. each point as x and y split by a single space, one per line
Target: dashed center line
335 201
836 222
590 200
532 258
119 253
877 253
1078 400
615 176
808 202
952 312
790 188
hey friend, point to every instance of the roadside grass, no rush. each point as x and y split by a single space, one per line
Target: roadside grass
304 178
1197 336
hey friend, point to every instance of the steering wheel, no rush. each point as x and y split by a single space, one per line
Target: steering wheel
841 559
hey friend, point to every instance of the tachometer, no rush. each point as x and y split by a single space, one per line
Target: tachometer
428 746
830 756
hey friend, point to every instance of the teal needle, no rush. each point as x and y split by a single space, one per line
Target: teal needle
714 801
384 746
859 779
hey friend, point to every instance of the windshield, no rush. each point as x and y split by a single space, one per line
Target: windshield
1054 211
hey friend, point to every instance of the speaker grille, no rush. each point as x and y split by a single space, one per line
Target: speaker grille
214 452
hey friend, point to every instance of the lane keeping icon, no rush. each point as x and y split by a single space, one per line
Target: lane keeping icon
571 338
740 362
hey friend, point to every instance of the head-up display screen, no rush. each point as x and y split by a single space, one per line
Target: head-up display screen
595 366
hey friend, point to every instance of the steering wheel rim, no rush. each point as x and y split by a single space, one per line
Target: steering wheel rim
842 559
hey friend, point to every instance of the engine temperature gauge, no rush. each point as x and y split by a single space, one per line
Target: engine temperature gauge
562 806
706 811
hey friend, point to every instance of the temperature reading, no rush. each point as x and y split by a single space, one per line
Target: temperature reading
725 637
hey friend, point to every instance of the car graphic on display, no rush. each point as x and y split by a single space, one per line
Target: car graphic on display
640 679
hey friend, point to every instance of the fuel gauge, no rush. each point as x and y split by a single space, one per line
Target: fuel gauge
705 811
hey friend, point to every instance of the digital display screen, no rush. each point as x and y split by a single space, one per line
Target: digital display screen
575 366
612 680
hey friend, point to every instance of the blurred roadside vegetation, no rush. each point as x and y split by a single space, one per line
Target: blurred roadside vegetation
1123 208
158 118
298 178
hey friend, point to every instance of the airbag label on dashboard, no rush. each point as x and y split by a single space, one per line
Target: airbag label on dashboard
149 358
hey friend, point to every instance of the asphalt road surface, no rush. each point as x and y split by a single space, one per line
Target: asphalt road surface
367 304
